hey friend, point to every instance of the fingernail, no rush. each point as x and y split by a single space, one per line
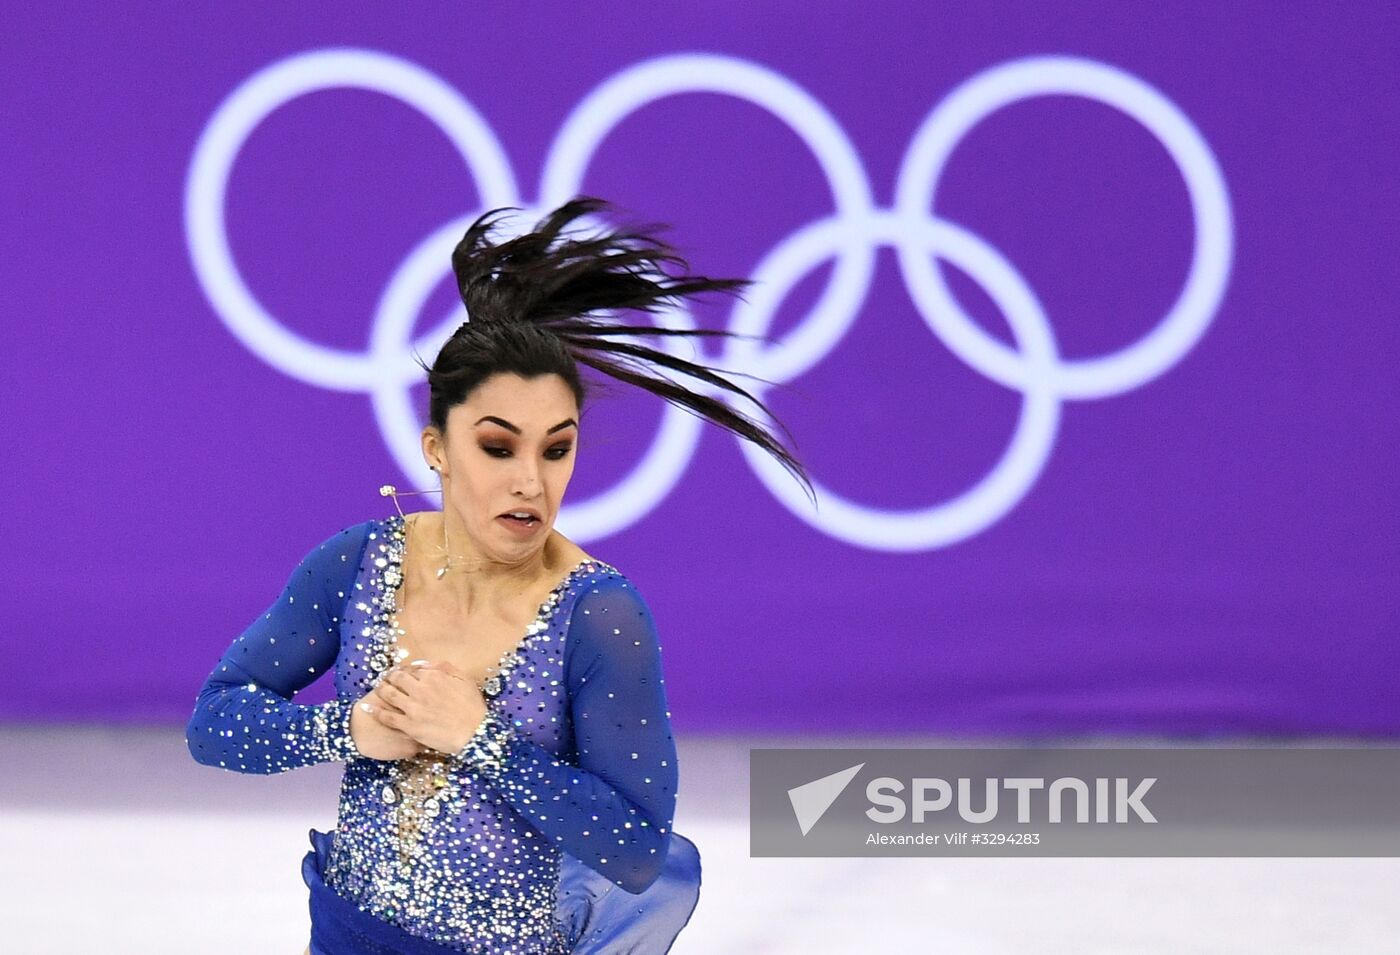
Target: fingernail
418 663
367 708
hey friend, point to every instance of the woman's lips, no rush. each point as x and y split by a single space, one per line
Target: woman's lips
517 526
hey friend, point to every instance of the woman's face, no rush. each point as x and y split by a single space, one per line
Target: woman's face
510 447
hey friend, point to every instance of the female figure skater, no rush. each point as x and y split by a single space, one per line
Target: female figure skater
510 774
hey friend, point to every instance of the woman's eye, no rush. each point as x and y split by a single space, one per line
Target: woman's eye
554 454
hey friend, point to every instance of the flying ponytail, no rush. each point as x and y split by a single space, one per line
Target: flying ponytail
533 305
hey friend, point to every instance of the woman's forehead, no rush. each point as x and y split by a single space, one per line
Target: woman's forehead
518 404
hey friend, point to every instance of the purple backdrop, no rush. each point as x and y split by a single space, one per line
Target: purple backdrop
1193 529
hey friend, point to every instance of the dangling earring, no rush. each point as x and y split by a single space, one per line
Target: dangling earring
388 490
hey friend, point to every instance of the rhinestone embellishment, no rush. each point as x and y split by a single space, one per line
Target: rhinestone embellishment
426 842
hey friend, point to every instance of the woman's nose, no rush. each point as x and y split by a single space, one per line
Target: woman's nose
527 480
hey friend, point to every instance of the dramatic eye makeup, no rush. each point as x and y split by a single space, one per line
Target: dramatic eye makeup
555 453
500 448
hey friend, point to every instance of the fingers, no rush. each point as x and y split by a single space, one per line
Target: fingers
391 718
400 679
392 696
401 685
446 666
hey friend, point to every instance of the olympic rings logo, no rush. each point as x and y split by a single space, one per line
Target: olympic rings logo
850 237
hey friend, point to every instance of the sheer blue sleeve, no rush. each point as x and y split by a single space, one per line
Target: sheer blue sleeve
244 718
613 810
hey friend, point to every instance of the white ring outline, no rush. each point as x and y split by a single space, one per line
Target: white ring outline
852 235
1200 297
230 126
1025 456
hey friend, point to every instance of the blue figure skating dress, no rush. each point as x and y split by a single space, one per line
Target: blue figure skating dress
549 833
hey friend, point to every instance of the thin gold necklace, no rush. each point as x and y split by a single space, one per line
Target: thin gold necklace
447 565
388 490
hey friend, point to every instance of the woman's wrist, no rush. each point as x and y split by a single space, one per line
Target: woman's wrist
332 722
488 750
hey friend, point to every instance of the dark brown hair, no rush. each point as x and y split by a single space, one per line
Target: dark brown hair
533 302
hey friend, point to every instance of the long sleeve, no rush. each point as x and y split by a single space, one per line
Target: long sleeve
613 811
244 719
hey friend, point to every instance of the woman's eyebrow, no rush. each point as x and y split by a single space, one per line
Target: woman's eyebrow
512 428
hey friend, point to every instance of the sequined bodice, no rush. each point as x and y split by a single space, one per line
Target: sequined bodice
428 847
464 849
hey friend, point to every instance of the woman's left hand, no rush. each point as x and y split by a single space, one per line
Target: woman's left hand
435 703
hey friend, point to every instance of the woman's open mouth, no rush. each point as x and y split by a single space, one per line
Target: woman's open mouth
520 522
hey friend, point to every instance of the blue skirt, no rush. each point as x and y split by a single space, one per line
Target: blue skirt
594 915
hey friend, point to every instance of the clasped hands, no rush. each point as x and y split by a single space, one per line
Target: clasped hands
420 706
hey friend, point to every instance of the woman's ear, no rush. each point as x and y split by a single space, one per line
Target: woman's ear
431 443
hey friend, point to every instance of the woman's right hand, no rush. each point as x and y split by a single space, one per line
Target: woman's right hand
375 740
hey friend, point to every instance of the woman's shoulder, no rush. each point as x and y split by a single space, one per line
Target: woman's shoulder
609 620
587 575
594 568
347 542
579 563
601 584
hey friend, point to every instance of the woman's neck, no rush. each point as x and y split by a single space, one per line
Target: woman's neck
474 582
